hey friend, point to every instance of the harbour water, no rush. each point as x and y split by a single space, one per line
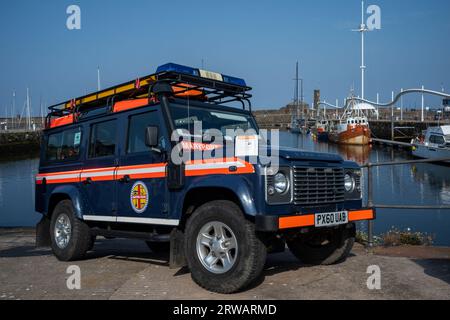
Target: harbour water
417 184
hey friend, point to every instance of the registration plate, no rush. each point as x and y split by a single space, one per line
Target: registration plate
331 219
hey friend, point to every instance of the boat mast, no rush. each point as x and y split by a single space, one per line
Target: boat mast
13 109
363 66
28 110
362 29
296 91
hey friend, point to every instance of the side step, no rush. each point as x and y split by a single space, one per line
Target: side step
130 235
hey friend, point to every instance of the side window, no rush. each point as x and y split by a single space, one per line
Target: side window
136 131
102 142
439 140
64 146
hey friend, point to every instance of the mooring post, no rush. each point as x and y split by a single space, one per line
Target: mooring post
370 205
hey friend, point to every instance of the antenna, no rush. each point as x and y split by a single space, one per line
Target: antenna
98 79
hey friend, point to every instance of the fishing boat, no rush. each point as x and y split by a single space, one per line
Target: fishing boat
321 130
353 127
295 126
434 143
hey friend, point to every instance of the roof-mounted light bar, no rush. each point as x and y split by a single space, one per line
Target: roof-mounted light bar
173 67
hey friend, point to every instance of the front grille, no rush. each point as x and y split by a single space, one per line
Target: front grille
316 186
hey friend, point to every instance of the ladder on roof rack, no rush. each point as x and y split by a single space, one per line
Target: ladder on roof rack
216 92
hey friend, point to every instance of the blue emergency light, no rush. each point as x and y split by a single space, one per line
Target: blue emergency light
173 67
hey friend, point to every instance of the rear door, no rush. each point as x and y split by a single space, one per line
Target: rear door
141 183
97 176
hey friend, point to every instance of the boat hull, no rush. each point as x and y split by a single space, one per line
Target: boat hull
426 152
358 136
320 133
322 136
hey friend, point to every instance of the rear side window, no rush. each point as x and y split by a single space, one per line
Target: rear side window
103 139
136 131
64 146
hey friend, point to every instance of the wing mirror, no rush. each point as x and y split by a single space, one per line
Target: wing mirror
151 137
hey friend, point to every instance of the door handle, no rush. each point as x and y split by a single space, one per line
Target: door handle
87 181
125 179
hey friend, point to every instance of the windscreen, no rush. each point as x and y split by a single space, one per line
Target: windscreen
184 118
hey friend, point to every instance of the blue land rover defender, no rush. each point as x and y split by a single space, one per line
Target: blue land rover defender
110 167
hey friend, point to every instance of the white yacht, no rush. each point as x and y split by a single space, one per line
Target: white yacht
434 144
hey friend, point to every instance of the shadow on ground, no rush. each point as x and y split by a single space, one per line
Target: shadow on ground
24 251
436 268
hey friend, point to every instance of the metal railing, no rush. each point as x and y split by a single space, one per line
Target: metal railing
372 205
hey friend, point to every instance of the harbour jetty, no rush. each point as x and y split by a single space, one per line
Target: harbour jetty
382 128
19 142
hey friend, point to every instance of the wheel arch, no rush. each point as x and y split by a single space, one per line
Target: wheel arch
201 194
65 193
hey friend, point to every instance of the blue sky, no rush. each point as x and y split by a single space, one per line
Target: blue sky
257 40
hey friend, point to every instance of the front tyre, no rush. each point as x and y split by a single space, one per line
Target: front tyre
222 249
71 237
323 247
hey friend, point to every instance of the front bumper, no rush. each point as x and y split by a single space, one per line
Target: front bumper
281 223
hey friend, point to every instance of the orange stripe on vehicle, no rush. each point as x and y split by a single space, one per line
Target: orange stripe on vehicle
309 220
101 178
43 175
143 166
73 180
96 174
361 215
61 121
129 104
295 222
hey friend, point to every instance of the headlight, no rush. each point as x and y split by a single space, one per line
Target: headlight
281 183
279 186
349 183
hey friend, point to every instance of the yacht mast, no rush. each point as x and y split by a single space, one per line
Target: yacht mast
28 112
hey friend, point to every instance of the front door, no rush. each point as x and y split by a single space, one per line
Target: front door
140 178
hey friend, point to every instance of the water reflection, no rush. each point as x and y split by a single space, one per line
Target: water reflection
358 154
435 176
17 193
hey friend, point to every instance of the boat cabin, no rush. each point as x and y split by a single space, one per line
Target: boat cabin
438 136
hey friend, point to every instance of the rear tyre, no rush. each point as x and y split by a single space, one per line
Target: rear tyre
158 247
324 247
70 236
223 251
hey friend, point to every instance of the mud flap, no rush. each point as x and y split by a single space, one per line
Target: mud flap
43 233
177 258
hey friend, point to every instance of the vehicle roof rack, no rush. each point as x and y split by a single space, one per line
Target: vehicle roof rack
217 89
